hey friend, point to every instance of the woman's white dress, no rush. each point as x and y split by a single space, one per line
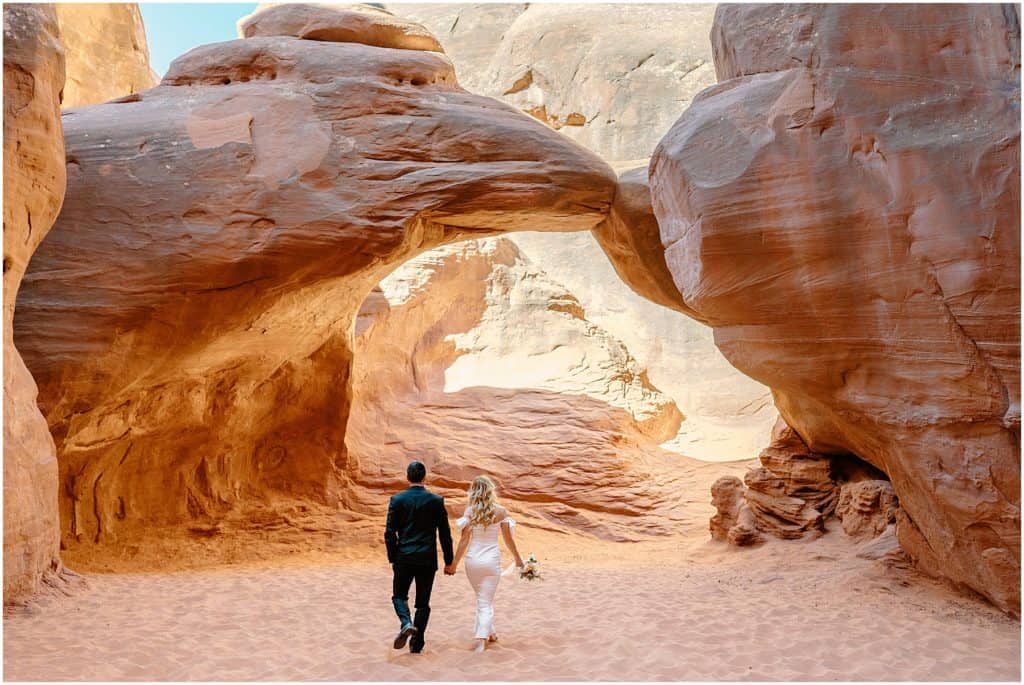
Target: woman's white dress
483 568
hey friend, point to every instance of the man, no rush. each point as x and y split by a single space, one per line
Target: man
416 518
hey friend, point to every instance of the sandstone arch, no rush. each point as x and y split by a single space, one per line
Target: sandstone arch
189 322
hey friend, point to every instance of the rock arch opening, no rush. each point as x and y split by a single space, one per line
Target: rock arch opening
473 359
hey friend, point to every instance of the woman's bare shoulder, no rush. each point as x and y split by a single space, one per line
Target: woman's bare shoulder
501 511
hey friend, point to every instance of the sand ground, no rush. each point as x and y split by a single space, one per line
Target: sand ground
675 609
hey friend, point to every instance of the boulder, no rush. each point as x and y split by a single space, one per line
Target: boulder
33 189
105 52
190 317
844 209
884 547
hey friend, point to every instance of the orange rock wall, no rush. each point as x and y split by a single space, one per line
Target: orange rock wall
33 188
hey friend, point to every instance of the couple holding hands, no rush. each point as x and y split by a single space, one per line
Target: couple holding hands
416 520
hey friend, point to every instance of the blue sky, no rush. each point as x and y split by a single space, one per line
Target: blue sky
172 29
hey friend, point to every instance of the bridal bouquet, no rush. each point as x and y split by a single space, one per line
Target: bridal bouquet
530 570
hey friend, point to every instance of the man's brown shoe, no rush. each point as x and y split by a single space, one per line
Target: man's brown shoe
407 631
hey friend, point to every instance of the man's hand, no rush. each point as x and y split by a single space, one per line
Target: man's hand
449 570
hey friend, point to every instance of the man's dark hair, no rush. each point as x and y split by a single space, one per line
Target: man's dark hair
416 472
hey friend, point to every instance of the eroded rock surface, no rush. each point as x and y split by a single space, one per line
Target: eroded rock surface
733 521
793 491
615 78
796 490
339 24
473 360
804 473
190 317
33 189
844 209
105 50
867 507
778 512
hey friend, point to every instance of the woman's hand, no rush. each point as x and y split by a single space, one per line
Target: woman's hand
519 561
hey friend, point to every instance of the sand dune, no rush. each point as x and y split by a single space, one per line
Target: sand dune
676 609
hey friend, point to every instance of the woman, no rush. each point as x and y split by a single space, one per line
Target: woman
479 543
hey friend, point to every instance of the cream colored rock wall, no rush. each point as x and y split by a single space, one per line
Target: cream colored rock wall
106 52
614 78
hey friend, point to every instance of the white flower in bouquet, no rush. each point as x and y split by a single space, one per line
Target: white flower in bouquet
530 569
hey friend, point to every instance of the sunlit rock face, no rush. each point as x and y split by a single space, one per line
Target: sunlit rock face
339 23
189 319
475 361
844 209
33 189
105 50
614 78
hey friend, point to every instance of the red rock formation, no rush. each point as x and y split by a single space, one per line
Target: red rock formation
867 507
189 319
777 512
804 473
844 209
789 496
33 189
796 490
734 521
615 77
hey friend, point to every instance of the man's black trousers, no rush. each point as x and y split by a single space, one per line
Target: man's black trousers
404 575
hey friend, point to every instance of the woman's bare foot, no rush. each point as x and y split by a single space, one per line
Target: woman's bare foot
492 638
481 645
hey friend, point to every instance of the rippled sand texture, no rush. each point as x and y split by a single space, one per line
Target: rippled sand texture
671 610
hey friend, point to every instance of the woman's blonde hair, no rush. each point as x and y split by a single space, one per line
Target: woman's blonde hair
483 502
